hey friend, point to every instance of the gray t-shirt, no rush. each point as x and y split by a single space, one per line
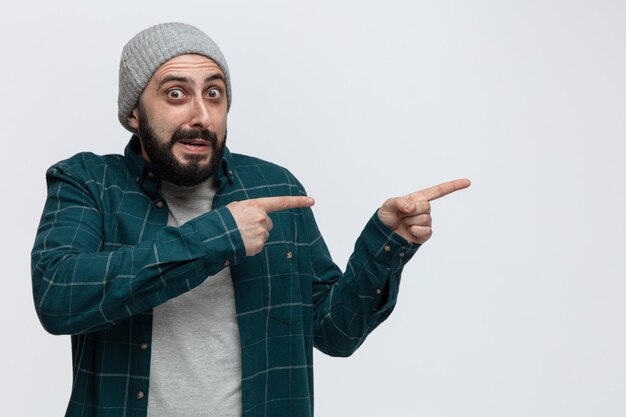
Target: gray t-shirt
195 367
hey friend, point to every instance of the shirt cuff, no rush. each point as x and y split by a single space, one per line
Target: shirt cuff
387 247
220 235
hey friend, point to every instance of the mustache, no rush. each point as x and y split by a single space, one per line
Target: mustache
205 134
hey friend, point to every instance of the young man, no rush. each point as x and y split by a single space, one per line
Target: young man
194 281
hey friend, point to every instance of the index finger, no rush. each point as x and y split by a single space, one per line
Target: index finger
271 204
440 190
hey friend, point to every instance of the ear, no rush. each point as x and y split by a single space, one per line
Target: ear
133 119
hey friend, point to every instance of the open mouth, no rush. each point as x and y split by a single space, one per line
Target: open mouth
194 146
194 142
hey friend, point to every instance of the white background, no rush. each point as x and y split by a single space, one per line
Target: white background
516 305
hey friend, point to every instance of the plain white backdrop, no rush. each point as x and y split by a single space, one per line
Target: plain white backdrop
516 305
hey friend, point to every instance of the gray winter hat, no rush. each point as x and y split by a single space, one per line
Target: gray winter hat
150 49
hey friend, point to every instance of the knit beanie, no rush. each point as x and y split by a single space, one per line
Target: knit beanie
150 49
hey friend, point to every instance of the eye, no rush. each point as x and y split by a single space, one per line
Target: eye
175 93
214 92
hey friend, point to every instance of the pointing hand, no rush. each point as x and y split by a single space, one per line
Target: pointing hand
253 222
409 216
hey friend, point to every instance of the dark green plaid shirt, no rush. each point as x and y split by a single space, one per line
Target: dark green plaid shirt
104 257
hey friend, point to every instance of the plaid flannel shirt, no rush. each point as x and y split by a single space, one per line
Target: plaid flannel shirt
103 258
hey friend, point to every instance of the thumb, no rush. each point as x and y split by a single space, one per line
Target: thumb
398 204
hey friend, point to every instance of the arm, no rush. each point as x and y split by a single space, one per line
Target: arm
348 306
81 284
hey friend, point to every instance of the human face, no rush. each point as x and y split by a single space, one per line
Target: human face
181 119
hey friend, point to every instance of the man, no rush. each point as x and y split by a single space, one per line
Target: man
194 281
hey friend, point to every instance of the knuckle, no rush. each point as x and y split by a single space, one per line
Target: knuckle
257 246
425 207
252 248
255 205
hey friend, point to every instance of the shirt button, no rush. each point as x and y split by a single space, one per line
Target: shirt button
151 174
288 254
401 254
137 180
379 291
226 262
387 248
143 345
230 173
140 395
159 204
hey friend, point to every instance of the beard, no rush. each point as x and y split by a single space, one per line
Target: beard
193 170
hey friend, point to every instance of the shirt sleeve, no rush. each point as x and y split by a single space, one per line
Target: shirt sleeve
348 306
79 287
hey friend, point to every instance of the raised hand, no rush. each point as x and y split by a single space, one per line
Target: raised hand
253 222
409 216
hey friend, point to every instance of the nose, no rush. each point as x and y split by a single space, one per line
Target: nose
200 117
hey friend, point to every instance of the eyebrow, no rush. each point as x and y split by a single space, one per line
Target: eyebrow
170 78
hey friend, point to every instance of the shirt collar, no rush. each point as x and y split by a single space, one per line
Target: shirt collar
147 177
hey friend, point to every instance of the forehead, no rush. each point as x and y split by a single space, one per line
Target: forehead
188 65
